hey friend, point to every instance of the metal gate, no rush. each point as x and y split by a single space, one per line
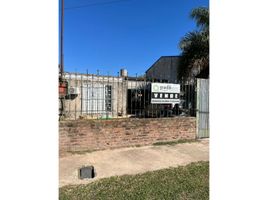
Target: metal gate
202 114
97 99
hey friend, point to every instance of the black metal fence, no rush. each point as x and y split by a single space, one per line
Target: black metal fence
100 96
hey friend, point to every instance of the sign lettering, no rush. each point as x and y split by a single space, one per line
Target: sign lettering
165 93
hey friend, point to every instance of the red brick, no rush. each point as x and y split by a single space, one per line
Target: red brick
85 135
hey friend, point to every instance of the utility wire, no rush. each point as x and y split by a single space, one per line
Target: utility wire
95 4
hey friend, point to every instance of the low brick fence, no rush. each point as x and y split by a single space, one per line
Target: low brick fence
88 135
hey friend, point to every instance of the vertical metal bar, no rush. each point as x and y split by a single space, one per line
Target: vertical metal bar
87 99
126 95
191 98
81 96
63 104
187 89
110 83
148 85
107 100
117 97
144 86
195 85
92 97
156 105
152 111
101 96
75 101
181 97
97 91
112 98
188 97
136 96
184 93
184 97
70 83
123 89
160 107
140 97
131 97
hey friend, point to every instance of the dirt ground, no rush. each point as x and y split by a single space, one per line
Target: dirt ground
132 160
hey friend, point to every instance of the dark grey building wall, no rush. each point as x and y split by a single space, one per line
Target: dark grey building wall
165 68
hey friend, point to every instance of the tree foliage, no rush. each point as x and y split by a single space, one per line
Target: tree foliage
195 46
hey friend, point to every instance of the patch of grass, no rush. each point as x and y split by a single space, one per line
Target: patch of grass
189 182
174 142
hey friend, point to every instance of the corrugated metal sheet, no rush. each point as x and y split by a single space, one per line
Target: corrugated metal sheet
202 108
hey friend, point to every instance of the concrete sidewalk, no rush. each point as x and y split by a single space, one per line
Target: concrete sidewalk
132 160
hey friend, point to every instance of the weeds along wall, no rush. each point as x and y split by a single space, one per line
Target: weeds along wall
90 135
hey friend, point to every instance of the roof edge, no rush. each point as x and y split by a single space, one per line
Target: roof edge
158 60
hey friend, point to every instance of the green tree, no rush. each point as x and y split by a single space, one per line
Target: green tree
195 46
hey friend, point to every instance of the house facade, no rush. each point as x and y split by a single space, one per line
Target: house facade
97 96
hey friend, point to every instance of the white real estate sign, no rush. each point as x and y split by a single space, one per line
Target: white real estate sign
165 93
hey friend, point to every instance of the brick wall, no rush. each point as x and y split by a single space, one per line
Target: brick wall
87 135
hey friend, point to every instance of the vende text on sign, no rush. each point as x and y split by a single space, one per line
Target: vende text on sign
165 93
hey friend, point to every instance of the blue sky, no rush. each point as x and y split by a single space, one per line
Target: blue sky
129 34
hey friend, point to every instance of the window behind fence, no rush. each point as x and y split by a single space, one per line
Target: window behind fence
96 96
97 99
